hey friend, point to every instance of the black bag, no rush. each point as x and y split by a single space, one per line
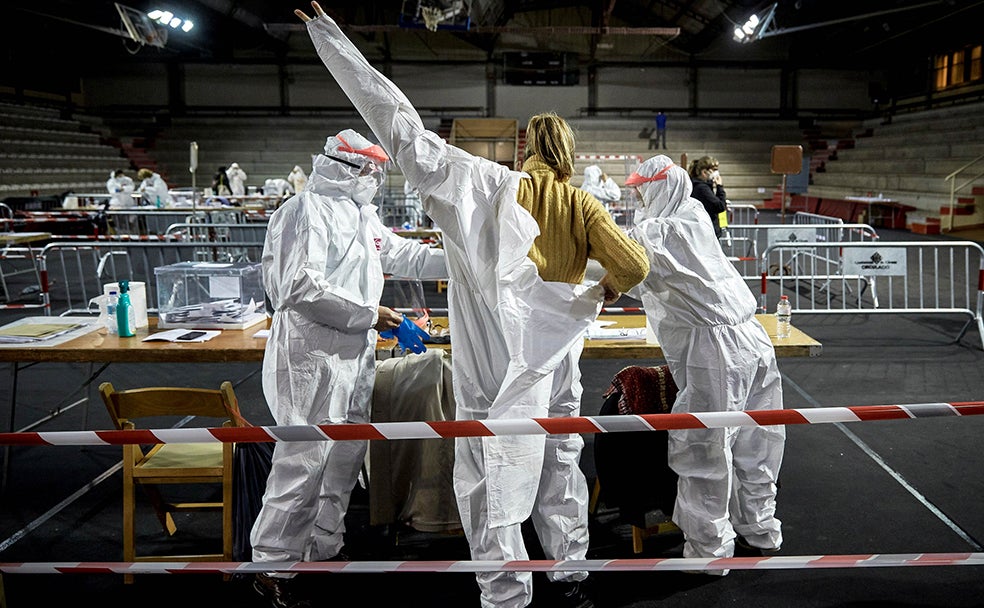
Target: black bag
632 468
251 466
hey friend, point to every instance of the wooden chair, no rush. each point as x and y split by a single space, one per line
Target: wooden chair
174 463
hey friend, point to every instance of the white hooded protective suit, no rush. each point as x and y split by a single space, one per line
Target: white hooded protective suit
276 187
155 189
605 190
120 190
323 262
237 179
297 179
722 360
516 338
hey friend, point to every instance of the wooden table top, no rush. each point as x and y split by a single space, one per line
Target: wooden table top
241 345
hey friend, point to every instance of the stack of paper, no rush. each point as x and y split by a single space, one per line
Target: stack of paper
35 332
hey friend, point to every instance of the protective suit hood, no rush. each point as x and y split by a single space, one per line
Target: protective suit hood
592 174
664 187
351 164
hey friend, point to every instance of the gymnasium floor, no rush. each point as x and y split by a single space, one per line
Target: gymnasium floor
890 487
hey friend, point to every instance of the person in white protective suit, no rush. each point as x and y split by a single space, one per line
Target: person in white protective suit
297 179
324 259
120 187
721 358
153 188
237 179
276 187
599 185
517 338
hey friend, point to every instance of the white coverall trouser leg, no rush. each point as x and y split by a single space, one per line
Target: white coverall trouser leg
560 514
727 476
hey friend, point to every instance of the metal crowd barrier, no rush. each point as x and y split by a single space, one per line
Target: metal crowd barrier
73 274
744 242
742 213
911 277
253 233
146 221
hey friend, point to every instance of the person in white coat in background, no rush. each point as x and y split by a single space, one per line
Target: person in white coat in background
153 188
517 337
237 179
599 185
324 259
276 187
722 360
120 187
297 179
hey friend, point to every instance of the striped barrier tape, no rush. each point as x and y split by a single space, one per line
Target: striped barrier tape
604 311
446 429
885 560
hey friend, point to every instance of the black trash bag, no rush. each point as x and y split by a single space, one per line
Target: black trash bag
251 466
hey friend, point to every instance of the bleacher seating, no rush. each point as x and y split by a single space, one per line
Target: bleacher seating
44 154
743 148
908 159
905 159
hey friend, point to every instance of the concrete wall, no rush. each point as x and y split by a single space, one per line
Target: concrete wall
466 85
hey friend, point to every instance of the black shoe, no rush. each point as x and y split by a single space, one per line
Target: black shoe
279 591
573 595
743 549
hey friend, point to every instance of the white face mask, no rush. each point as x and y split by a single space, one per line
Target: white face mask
366 186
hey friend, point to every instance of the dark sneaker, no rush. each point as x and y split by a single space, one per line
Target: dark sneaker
573 595
743 549
279 592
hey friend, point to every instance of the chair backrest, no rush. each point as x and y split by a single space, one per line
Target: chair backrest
133 404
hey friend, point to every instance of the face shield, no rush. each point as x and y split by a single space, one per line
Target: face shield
352 160
661 186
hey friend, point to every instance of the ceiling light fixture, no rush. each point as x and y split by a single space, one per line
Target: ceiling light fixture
755 26
168 18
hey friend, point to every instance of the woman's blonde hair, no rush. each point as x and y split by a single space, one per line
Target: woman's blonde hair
550 138
704 162
144 173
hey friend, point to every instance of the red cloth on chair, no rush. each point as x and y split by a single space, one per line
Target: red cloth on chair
645 390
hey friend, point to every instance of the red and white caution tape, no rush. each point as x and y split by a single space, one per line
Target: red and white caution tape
604 311
498 427
634 157
895 560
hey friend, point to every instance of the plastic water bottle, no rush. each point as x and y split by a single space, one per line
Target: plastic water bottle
111 303
126 318
784 316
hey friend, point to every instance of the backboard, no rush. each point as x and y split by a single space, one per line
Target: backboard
436 14
140 27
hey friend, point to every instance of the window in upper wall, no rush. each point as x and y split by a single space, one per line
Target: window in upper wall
942 71
958 68
975 63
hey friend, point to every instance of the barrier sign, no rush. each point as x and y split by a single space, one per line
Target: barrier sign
874 261
791 234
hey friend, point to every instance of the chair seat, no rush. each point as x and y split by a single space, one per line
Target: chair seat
185 456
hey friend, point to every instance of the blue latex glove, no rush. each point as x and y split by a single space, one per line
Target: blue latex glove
408 336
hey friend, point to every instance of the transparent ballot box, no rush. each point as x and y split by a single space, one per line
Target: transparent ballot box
210 295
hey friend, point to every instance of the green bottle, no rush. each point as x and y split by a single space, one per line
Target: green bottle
125 317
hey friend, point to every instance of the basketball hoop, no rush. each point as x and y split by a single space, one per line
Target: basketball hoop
432 16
